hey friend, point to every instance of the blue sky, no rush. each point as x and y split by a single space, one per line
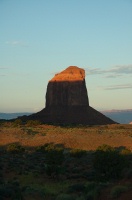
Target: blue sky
39 38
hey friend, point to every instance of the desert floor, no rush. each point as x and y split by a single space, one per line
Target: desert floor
86 138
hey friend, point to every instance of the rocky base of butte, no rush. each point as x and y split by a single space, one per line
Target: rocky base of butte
67 101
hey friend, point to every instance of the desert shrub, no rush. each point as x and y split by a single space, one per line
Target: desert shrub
108 163
54 154
54 170
125 152
10 191
33 122
79 187
4 123
30 131
54 157
5 192
45 148
81 198
1 178
64 197
17 122
128 174
117 190
41 149
15 148
31 191
77 153
105 148
93 195
89 186
92 190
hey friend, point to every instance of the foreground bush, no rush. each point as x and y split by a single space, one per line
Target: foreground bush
108 163
15 148
64 197
77 153
125 152
117 191
54 157
54 153
10 190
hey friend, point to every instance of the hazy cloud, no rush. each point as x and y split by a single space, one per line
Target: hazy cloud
121 69
16 43
118 87
3 68
113 72
94 71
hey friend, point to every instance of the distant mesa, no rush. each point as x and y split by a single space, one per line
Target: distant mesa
67 101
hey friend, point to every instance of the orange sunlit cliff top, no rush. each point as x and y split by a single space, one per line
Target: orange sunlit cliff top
72 73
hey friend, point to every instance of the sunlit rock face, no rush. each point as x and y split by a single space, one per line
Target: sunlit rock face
67 88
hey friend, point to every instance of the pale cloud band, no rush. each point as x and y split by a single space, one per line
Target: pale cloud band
118 87
115 71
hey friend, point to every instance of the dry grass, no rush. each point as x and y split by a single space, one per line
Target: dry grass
87 138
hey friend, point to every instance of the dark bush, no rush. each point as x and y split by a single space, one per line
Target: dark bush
33 123
64 197
125 152
45 147
10 191
15 148
116 191
108 163
77 153
92 190
17 122
54 155
79 187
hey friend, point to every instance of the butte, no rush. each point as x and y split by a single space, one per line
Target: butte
67 101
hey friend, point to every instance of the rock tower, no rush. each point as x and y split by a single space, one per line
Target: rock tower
67 101
67 88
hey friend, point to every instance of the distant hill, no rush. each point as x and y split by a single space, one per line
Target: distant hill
120 116
8 116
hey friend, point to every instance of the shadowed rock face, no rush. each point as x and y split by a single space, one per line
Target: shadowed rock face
67 101
67 88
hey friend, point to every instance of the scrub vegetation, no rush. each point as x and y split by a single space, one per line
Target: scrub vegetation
51 162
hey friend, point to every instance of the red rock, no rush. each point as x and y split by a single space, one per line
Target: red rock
67 88
67 101
72 73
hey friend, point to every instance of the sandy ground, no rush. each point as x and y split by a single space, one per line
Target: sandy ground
88 138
